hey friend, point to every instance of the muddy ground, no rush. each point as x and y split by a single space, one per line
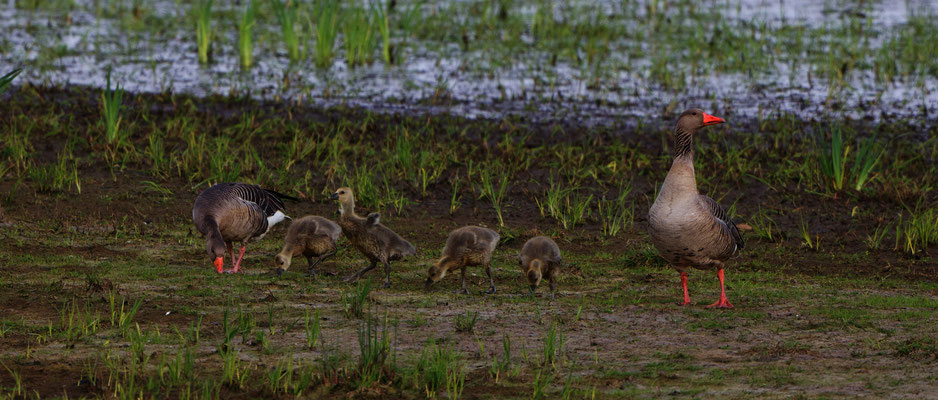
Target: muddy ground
841 319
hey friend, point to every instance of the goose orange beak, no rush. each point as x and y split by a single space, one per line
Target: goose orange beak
219 263
711 120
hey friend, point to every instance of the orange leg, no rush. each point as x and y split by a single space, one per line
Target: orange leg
686 295
723 302
237 264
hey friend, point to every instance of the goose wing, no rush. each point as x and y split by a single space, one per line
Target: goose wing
720 214
268 200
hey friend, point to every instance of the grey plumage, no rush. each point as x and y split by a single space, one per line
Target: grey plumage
235 212
690 229
469 245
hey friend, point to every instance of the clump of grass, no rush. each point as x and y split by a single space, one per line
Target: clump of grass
57 176
356 299
918 347
806 239
111 101
833 158
466 322
616 214
868 155
919 231
287 12
553 345
379 17
358 28
245 25
377 359
204 34
8 78
312 324
501 364
327 15
440 368
494 188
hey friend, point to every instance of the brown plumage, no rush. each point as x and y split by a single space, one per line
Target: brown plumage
540 258
374 240
469 245
235 212
310 236
688 228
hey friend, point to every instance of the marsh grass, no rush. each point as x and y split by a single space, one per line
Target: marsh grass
356 299
57 176
327 14
287 12
376 362
111 102
439 368
358 28
833 158
466 322
494 187
245 26
201 12
379 17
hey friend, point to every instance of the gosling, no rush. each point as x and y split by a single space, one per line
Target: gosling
469 245
310 236
540 258
374 240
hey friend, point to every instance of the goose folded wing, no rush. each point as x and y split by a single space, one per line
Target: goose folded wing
720 214
267 200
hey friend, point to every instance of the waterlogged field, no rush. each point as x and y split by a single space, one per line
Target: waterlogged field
108 291
596 62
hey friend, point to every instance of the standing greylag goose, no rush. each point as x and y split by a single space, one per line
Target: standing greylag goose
469 245
688 228
375 241
311 236
235 212
540 258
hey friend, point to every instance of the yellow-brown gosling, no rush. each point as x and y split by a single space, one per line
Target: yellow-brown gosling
374 240
310 236
469 245
540 258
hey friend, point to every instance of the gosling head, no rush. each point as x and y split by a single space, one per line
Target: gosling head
345 197
437 271
282 263
534 272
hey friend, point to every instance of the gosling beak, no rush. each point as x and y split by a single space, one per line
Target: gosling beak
426 285
279 272
219 263
335 196
711 120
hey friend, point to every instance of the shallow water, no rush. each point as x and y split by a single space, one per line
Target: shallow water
73 45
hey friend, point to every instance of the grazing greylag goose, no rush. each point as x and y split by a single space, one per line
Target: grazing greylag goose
310 236
235 212
688 228
469 245
540 258
374 240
